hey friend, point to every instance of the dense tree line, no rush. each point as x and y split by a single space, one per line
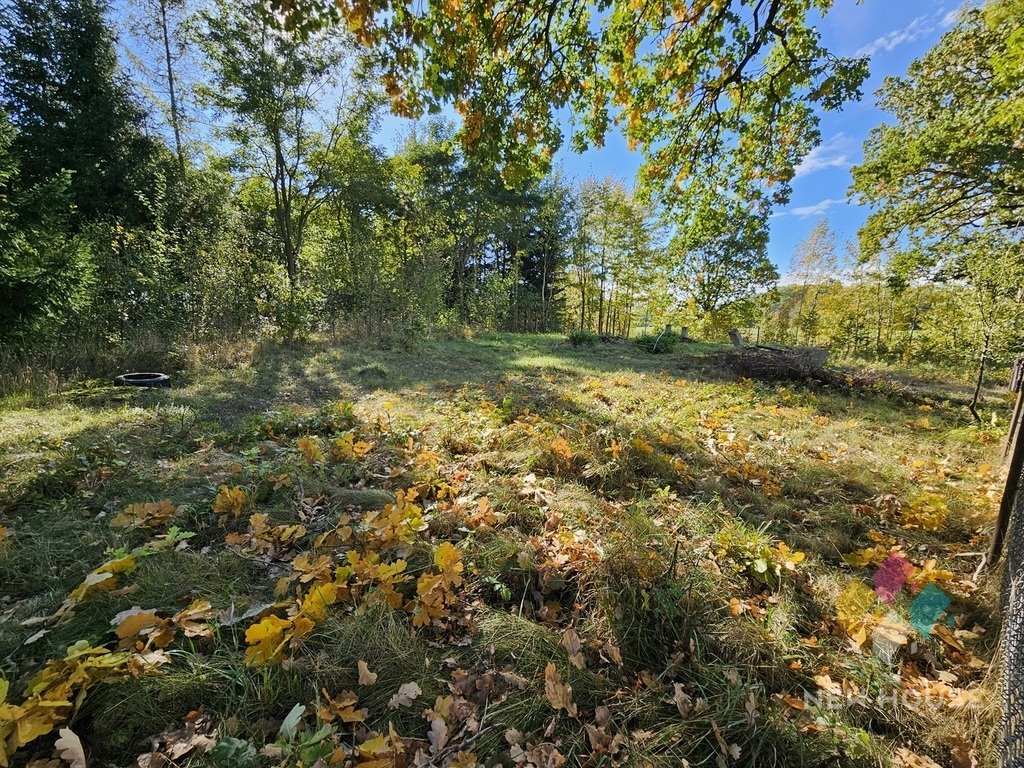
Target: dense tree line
287 217
234 185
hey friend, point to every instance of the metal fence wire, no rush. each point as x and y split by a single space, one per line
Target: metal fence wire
1012 746
1012 752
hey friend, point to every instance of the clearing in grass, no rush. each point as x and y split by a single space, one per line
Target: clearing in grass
507 551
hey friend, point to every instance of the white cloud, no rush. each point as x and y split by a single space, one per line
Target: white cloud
950 18
834 153
918 28
803 211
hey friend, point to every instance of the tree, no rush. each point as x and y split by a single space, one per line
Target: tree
814 266
159 32
612 256
946 180
952 162
718 255
73 110
547 252
43 271
281 96
724 90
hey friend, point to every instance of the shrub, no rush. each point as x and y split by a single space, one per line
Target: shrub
580 338
657 343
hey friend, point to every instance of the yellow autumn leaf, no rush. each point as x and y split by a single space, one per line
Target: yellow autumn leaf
230 501
144 515
447 557
314 605
266 640
310 449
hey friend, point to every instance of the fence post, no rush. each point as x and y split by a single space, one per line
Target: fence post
1015 451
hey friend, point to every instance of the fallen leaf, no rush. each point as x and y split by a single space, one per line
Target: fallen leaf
69 746
682 700
405 696
571 643
558 694
366 677
904 758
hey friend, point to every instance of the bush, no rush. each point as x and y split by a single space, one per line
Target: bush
581 338
657 343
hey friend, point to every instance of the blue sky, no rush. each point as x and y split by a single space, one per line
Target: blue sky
893 33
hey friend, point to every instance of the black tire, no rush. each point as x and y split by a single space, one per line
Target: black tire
159 380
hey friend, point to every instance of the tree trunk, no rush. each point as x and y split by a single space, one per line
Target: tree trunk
981 376
175 120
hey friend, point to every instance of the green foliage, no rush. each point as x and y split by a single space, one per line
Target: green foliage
273 87
583 338
716 91
614 266
64 92
719 256
657 343
950 164
44 271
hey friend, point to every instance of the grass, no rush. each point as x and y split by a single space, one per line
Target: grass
642 503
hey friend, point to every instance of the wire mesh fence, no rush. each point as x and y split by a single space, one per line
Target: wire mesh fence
1013 642
1012 746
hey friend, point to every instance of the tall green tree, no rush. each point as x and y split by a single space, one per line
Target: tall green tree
718 255
284 105
946 179
612 257
73 109
44 272
815 267
950 164
159 54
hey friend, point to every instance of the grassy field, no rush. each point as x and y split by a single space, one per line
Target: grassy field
500 551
